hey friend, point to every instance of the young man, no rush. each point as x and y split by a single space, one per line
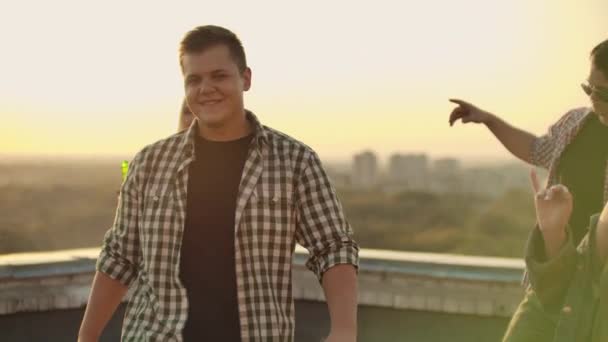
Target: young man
570 281
575 151
208 219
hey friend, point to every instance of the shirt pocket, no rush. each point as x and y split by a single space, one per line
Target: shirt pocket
158 194
158 226
270 216
267 234
272 204
157 203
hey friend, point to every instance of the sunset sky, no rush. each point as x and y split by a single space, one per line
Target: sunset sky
102 78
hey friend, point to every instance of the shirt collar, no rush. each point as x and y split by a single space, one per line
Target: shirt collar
188 139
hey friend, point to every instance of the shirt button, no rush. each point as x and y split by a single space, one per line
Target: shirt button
156 198
567 309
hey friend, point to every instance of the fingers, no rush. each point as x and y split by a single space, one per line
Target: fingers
534 181
541 195
460 112
456 114
555 192
460 102
558 191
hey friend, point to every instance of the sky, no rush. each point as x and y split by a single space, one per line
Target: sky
102 78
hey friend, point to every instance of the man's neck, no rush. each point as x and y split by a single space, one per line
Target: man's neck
227 132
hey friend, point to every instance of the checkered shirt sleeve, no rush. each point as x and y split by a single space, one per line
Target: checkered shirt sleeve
544 148
321 225
120 251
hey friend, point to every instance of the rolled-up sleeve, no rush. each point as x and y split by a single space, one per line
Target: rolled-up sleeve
119 254
543 147
550 279
321 225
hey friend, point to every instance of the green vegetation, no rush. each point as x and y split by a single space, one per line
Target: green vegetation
68 205
443 223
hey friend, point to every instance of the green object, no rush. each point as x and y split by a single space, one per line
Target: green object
125 169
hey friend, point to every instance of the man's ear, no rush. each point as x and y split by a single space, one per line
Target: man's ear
246 79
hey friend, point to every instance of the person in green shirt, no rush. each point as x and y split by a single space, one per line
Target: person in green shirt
570 281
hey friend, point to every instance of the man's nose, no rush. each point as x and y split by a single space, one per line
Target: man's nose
206 87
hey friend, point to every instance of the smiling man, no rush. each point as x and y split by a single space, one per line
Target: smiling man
208 220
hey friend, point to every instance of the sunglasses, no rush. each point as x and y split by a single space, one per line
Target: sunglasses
601 93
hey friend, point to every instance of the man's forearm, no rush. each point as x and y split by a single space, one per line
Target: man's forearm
106 295
340 286
517 141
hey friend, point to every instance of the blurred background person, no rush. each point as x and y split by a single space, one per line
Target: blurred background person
185 117
574 150
570 281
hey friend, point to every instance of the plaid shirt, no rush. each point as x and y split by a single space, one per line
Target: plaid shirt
284 197
547 149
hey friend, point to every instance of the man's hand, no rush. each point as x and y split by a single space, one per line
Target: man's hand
553 210
515 140
553 206
468 113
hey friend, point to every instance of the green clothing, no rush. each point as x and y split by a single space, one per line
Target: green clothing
565 151
568 297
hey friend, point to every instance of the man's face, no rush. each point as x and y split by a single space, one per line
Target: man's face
597 80
214 86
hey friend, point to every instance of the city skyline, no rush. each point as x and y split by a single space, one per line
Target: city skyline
383 158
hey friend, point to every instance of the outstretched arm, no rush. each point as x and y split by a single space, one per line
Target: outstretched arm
515 140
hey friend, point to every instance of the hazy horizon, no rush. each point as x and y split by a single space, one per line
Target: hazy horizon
7 158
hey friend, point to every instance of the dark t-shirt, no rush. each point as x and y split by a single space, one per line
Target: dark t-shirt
207 263
582 168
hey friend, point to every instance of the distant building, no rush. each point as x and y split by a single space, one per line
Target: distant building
496 179
408 172
446 175
484 181
365 170
338 178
